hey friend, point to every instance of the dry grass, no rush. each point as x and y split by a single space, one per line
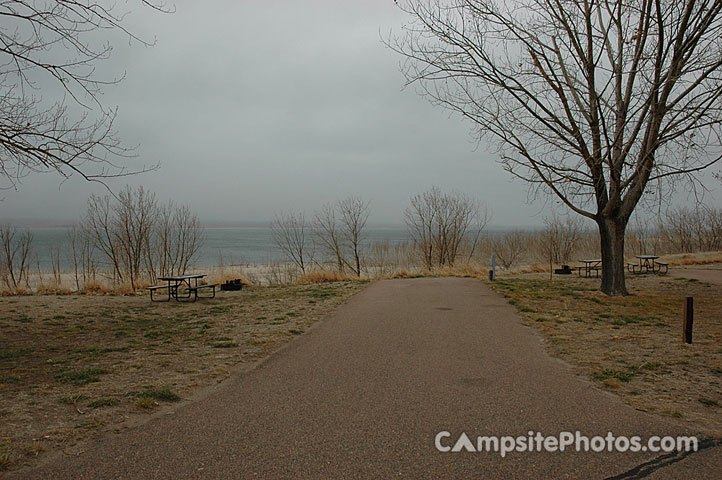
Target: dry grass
632 345
704 258
460 270
72 366
536 268
324 276
402 273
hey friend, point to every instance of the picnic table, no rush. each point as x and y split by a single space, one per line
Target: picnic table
646 264
184 283
590 266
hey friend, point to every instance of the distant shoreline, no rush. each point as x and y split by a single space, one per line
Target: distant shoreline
247 244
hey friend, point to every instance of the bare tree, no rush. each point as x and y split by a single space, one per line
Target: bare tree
291 233
589 101
440 223
189 234
140 238
693 230
15 256
329 236
175 240
354 213
560 238
135 215
98 222
54 44
83 256
509 247
420 219
56 266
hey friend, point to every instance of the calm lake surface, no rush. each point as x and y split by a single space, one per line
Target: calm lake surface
231 245
243 245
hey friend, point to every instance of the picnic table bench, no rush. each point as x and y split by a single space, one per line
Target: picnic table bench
205 285
158 287
660 265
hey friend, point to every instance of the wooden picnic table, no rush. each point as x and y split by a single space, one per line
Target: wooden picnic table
590 266
176 283
648 263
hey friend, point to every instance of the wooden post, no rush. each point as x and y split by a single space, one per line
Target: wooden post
688 320
551 265
492 274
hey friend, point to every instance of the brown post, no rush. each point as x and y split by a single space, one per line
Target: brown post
688 320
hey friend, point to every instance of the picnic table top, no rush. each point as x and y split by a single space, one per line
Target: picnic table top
178 278
647 257
596 260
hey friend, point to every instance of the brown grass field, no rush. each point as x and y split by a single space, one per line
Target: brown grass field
73 366
632 345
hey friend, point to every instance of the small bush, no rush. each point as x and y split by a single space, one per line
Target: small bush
164 394
608 373
145 403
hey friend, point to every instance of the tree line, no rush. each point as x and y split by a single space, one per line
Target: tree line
444 227
130 239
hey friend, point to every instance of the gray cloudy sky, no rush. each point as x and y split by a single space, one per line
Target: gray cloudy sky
253 107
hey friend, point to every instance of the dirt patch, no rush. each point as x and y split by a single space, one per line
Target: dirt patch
632 346
72 367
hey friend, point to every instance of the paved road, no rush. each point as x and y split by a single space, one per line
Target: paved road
365 393
709 275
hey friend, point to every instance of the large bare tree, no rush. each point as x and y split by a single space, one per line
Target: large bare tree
354 213
291 233
442 223
589 100
51 116
340 229
329 235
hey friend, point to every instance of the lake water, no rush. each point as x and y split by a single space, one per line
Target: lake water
231 245
234 245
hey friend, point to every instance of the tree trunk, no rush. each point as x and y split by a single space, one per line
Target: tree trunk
611 231
358 261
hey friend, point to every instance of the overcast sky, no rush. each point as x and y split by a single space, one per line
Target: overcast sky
254 107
